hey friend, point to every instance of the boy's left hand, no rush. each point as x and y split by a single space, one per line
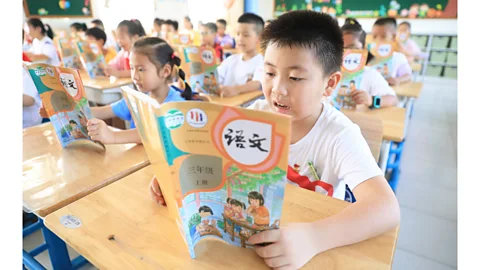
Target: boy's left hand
227 91
361 97
291 247
393 81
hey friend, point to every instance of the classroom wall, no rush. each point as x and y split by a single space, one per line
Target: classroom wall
419 26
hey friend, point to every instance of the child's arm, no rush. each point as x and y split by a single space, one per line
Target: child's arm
28 101
36 57
102 112
404 71
230 91
363 97
399 80
98 130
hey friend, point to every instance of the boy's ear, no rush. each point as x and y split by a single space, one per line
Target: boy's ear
332 82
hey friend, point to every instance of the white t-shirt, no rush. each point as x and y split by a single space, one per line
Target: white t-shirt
375 84
31 116
234 71
400 65
337 151
45 46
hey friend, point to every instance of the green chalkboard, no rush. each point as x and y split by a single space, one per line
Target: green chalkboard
58 8
372 8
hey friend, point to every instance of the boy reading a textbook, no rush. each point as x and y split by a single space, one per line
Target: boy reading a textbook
237 72
303 56
208 32
385 30
225 40
412 50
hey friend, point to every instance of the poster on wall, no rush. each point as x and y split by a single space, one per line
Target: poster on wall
372 8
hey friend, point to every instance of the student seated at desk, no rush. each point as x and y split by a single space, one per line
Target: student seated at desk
303 56
152 62
98 36
42 49
411 49
78 30
127 33
236 73
208 33
224 39
373 85
385 30
110 42
31 102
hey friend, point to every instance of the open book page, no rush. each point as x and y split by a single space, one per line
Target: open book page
92 59
226 170
64 100
383 61
352 73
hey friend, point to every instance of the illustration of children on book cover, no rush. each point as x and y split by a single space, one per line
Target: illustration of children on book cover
68 53
63 97
383 61
223 172
201 65
92 59
352 72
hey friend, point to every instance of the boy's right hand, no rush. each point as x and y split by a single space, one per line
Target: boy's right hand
156 192
98 130
43 112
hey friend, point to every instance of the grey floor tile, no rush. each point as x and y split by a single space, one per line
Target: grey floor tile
408 261
428 236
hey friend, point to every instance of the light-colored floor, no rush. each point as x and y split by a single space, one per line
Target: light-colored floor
427 190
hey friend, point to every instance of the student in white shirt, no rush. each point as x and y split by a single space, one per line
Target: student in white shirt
236 73
384 30
373 85
31 102
43 49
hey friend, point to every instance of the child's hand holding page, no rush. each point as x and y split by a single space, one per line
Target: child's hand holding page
361 97
156 192
43 112
98 130
228 91
290 247
393 81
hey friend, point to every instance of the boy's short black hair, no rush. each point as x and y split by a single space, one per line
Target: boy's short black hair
407 24
98 22
389 21
222 21
175 25
158 21
211 26
97 33
254 19
311 30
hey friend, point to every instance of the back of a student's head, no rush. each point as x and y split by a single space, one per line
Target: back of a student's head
308 33
208 32
97 23
160 54
38 30
384 29
353 34
97 36
128 31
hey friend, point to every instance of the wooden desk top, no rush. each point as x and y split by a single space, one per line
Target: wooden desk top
104 83
145 238
393 119
411 89
54 177
236 100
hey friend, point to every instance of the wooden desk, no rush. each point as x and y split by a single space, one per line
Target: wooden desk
54 177
372 130
104 90
393 119
145 238
411 89
240 100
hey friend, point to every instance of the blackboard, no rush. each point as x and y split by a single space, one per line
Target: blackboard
372 8
58 8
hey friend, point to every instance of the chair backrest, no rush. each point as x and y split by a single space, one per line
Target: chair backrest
372 130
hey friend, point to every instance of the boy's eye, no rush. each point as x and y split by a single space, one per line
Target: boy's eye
295 79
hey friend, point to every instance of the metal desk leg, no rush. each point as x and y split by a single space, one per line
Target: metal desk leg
384 153
57 250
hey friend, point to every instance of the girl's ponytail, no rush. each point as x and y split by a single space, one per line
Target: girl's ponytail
187 92
48 31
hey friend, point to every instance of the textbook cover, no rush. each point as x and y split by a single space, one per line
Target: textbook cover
68 53
352 73
383 61
222 170
65 102
92 59
200 64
